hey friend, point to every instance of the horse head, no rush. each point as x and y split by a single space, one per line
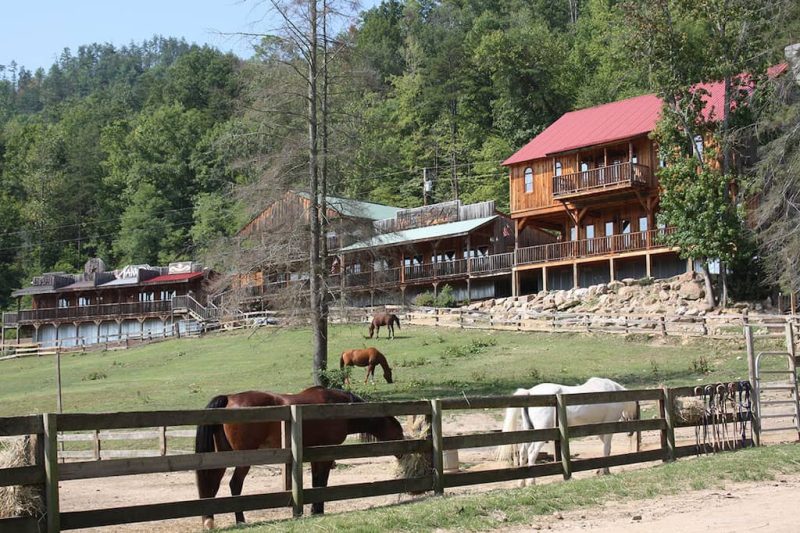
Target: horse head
371 330
387 374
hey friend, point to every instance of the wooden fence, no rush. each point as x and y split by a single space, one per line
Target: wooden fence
47 472
725 326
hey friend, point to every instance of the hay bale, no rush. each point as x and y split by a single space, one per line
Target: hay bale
690 410
413 465
19 500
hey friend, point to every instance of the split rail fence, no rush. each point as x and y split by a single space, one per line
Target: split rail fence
47 472
712 326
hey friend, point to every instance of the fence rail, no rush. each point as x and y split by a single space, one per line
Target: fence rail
48 472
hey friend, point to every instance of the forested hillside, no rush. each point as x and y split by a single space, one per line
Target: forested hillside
147 153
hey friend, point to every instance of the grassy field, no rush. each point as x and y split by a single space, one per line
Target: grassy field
428 362
522 506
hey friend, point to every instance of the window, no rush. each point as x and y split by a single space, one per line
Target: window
558 168
63 303
609 229
146 296
83 301
481 251
380 264
642 223
589 229
634 158
445 257
626 226
412 261
166 295
584 166
698 145
528 179
573 233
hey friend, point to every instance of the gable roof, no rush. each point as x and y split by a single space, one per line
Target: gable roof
357 208
594 125
618 121
410 236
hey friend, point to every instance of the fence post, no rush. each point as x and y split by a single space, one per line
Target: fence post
437 441
666 406
663 322
297 460
286 429
563 429
51 472
755 422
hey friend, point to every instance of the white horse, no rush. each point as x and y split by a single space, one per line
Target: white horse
545 417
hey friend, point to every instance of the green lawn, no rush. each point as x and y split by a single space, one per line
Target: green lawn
522 506
428 362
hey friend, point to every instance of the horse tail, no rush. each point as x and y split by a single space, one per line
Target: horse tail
506 452
208 481
341 361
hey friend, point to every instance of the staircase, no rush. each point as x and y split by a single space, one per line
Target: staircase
208 315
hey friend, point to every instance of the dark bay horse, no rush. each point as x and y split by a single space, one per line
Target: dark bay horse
368 357
383 319
251 436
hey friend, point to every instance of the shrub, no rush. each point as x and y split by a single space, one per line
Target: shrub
425 299
336 378
701 365
446 298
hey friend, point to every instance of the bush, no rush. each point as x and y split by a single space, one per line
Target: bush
335 378
425 299
446 298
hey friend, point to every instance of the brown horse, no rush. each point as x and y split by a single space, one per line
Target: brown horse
251 436
368 357
383 319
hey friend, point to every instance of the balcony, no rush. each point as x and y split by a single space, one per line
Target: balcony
602 179
117 310
599 246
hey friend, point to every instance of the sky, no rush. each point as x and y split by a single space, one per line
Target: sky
34 32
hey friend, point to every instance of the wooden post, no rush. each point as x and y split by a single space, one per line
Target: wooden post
286 429
666 406
297 460
51 472
575 275
751 367
59 402
162 440
544 278
663 322
96 445
563 430
648 265
437 440
790 348
611 273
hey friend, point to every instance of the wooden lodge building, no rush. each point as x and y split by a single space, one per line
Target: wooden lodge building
590 178
98 306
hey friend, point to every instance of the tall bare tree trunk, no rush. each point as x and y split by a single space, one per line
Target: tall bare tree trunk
323 209
319 331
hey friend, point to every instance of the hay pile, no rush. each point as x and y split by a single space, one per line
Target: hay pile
690 410
413 465
18 500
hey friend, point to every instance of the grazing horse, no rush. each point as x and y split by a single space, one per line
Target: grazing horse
368 357
545 417
383 319
251 436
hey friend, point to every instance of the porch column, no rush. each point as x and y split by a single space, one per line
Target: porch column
35 333
575 275
544 278
648 265
689 265
514 283
611 272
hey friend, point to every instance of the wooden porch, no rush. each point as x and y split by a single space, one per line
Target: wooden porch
600 180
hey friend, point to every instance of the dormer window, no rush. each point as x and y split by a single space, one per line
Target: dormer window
529 179
558 168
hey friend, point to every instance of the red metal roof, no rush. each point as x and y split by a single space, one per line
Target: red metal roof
615 121
174 278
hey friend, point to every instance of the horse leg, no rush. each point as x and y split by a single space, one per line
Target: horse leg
390 328
237 481
319 478
533 454
208 482
370 368
606 452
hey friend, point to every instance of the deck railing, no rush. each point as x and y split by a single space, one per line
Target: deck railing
100 310
612 244
601 178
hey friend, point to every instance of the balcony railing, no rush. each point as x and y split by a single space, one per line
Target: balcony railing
96 311
613 244
598 179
